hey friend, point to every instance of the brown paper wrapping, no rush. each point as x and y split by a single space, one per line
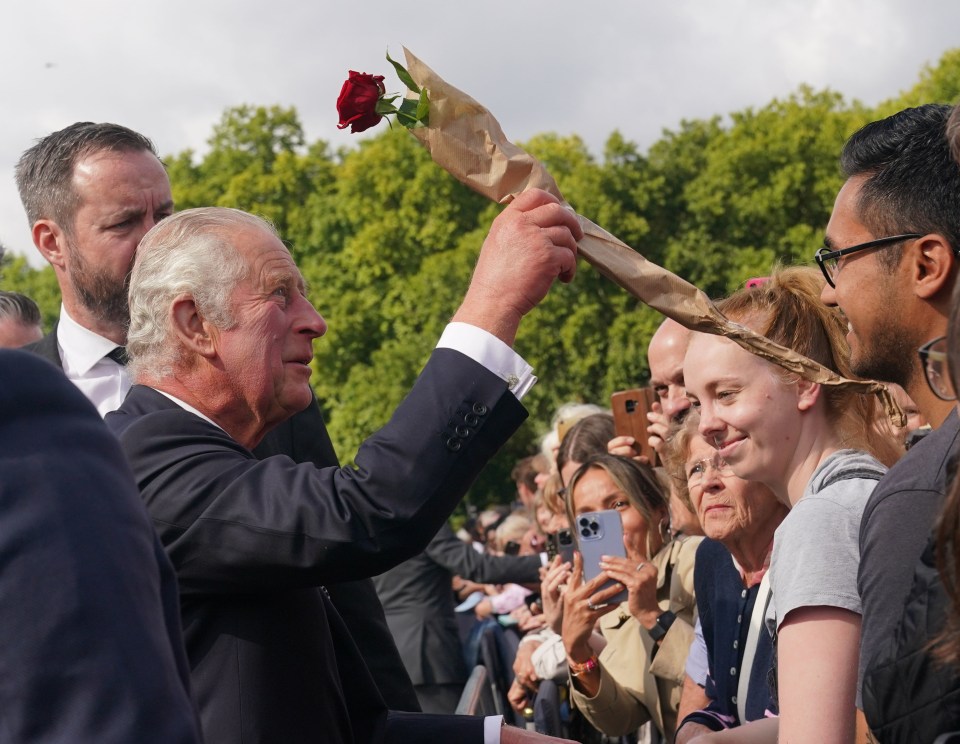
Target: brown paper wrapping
467 141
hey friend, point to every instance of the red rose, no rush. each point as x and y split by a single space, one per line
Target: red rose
357 103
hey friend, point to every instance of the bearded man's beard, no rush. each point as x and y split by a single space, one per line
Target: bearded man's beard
102 294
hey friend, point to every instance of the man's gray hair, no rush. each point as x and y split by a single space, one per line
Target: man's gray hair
20 308
44 173
189 253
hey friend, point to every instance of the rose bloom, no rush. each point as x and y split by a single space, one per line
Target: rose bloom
358 101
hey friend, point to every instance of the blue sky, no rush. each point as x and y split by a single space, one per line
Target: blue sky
170 69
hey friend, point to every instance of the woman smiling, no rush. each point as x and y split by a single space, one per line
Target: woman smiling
817 449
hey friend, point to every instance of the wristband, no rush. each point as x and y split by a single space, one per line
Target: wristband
658 631
588 666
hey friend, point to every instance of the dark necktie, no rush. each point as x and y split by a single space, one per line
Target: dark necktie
119 355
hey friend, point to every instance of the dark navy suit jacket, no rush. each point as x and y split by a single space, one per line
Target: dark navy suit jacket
253 541
304 437
89 617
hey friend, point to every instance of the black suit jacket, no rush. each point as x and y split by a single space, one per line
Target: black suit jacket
89 616
252 540
419 605
304 438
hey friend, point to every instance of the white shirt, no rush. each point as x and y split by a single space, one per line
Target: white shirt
83 355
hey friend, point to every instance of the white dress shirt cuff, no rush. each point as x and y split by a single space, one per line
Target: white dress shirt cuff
488 350
491 729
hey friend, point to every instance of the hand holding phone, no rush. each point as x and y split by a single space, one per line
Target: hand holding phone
600 533
630 408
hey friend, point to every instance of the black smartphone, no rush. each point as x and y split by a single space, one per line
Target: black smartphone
561 543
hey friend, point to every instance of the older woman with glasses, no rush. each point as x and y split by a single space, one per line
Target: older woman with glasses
637 675
731 581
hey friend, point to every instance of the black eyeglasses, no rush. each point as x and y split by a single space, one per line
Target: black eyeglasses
828 260
933 356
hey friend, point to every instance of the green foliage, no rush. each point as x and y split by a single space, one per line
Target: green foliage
38 284
387 241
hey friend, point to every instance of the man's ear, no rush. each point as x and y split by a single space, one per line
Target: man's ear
196 334
808 393
51 241
932 267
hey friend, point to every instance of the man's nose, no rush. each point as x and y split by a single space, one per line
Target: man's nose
828 295
311 322
675 402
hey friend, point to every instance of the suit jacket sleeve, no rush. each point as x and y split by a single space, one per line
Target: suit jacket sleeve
90 618
233 523
449 551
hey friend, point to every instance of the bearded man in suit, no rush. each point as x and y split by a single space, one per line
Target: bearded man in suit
91 192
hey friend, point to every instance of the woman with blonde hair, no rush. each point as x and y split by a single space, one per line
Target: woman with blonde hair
819 450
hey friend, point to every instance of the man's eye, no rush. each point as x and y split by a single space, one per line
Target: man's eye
661 390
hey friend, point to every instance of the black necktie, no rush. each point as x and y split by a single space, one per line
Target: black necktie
119 355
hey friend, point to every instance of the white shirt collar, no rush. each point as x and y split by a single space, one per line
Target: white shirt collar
81 346
188 407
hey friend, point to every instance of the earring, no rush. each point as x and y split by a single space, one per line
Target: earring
665 532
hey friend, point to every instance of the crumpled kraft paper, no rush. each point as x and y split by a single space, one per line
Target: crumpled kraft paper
467 141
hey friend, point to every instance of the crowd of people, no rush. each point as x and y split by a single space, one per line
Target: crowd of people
184 560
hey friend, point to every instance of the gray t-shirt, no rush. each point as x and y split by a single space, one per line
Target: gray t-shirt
816 549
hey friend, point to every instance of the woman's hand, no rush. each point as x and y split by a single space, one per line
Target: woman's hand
584 603
641 582
526 620
518 696
524 673
552 587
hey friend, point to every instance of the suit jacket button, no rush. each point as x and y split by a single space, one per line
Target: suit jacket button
480 409
454 444
462 431
471 419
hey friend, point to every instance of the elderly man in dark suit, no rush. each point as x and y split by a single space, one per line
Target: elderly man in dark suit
88 600
220 340
91 192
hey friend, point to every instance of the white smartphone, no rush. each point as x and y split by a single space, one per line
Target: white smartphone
600 533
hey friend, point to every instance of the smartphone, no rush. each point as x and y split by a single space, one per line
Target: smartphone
600 533
630 409
561 543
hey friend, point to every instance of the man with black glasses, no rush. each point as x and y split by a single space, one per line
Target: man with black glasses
890 259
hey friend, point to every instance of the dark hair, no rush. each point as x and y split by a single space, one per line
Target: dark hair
19 307
953 133
589 436
44 173
947 643
527 469
912 182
